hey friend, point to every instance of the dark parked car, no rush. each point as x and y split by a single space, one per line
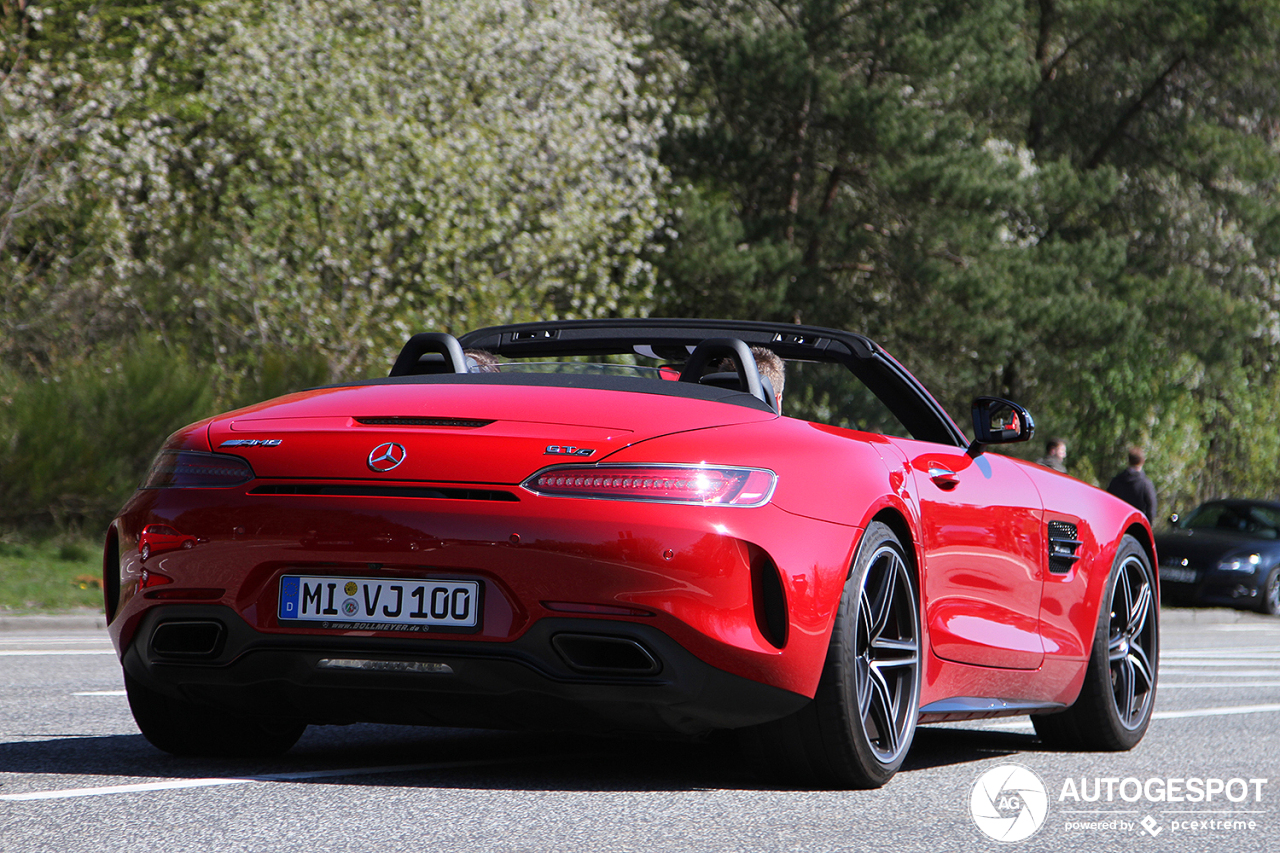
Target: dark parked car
1223 552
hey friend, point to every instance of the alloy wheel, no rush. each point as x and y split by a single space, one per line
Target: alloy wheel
887 655
1131 643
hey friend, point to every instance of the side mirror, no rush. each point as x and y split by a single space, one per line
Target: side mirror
997 421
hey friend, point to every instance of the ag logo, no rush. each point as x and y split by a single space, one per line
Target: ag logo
1009 803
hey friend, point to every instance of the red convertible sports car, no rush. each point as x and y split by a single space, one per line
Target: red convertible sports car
637 525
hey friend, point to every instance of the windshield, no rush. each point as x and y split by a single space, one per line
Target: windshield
580 368
813 391
1248 519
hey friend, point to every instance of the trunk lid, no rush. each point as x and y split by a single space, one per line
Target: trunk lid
459 433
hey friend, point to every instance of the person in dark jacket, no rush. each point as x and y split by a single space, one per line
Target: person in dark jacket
1055 455
1134 486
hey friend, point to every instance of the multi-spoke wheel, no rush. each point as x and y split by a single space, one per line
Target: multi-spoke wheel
1131 643
1114 707
858 728
886 655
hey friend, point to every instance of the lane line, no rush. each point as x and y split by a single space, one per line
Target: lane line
28 640
183 784
1221 662
1228 711
1217 685
16 653
1216 653
1240 673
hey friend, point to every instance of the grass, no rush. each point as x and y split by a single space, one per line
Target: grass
50 576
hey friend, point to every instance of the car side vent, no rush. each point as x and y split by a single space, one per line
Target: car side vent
465 423
1063 546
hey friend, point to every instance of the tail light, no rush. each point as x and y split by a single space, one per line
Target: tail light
189 469
681 484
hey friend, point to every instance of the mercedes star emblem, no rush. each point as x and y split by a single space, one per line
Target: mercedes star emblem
386 456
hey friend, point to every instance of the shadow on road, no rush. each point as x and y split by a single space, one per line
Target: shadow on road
468 759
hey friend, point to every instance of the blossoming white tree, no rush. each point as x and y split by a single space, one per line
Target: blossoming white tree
338 173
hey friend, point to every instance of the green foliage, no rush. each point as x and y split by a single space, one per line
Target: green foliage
334 175
50 574
74 444
1069 203
282 372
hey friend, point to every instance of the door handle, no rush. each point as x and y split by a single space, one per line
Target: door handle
945 478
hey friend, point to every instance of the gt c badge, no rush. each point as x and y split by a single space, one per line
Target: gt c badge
386 456
563 450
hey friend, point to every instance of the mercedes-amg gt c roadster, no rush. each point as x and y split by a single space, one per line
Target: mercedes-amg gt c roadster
673 526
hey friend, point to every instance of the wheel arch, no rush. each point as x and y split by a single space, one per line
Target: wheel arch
111 573
1100 574
895 521
1143 535
892 518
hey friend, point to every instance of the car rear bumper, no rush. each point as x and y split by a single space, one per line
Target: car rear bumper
563 673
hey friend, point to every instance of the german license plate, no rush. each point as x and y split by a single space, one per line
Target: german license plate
399 603
1177 574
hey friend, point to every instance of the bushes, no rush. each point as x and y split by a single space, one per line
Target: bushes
75 442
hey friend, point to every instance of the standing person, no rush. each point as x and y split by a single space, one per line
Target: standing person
1055 455
1134 486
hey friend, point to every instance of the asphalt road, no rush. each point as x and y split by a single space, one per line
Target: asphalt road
75 775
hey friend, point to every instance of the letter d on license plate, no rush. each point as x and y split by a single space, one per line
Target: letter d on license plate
398 602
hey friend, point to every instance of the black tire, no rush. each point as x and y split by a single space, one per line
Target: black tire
1115 703
186 729
1269 600
857 730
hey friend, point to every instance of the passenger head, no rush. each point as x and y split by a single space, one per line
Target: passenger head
768 365
481 361
771 367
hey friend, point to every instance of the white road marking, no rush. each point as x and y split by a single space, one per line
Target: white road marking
1226 661
182 784
1238 673
14 653
28 640
1230 710
1217 685
1234 651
